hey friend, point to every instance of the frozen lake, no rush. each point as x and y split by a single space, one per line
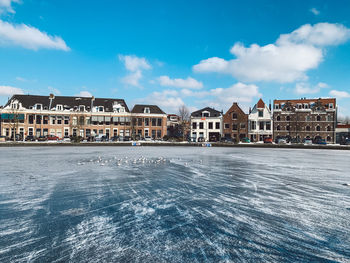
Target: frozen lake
174 204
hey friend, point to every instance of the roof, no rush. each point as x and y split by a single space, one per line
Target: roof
260 104
213 112
234 108
140 108
30 100
293 102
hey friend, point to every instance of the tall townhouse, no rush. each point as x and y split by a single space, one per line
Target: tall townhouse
305 119
207 124
235 123
66 116
149 121
260 122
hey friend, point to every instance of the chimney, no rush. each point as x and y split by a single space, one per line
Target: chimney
92 102
270 105
250 110
51 98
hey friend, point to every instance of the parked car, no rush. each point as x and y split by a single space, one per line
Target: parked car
245 140
101 138
226 139
42 139
268 140
30 138
201 139
307 142
52 138
126 138
320 141
282 141
148 138
66 139
114 139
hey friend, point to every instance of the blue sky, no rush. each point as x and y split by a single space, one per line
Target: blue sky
197 53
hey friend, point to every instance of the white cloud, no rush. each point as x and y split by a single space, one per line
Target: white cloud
315 11
6 6
305 88
133 79
168 100
9 91
29 37
287 60
339 94
135 65
189 83
84 93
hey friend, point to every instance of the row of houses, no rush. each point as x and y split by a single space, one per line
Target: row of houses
63 116
295 120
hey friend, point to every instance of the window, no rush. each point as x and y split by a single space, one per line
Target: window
38 119
81 108
146 121
101 109
146 110
242 125
278 118
227 126
159 133
74 121
201 125
308 118
287 128
308 128
329 128
331 105
159 122
59 107
205 114
88 121
194 125
38 106
261 125
139 121
318 128
81 120
210 125
45 132
268 125
154 122
261 113
153 134
329 118
277 106
59 119
46 120
234 116
278 128
66 120
288 118
217 125
252 125
234 127
318 118
31 119
329 138
66 132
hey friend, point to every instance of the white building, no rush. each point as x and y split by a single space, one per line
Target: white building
260 122
207 124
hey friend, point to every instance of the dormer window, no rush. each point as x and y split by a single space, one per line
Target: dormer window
100 108
147 110
331 105
14 105
261 113
38 106
59 107
81 108
45 107
205 114
277 106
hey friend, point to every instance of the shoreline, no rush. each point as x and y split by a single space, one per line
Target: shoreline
171 144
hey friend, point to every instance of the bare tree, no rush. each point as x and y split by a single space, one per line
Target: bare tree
184 115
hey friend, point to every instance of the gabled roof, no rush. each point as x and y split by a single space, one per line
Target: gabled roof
212 112
234 108
260 104
30 100
140 108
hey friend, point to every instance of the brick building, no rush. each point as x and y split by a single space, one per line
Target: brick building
302 119
235 123
77 116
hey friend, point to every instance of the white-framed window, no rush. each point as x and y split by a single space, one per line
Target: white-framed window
38 106
101 109
147 110
331 106
59 107
81 108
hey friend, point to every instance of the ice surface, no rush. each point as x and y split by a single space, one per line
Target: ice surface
174 204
